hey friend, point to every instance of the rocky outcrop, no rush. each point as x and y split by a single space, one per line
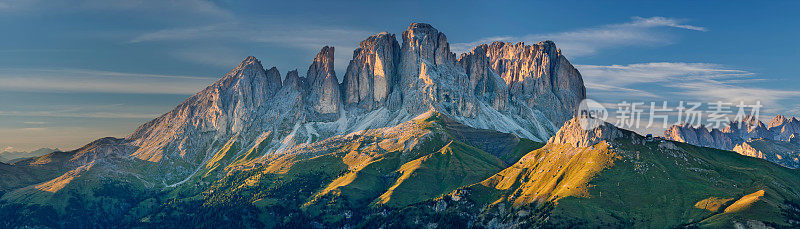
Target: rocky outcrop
572 133
323 85
372 73
226 107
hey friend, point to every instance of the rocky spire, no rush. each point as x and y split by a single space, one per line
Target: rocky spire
422 42
482 79
246 85
273 80
293 80
323 84
372 73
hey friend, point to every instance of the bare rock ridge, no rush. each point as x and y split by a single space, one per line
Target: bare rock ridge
740 137
527 90
573 134
780 128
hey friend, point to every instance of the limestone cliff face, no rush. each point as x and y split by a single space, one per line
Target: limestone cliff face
229 106
483 80
420 73
323 85
539 76
372 73
423 44
573 134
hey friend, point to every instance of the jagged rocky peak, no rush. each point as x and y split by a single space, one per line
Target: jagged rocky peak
482 78
574 134
323 85
372 73
777 122
292 80
780 128
700 136
540 76
273 79
422 42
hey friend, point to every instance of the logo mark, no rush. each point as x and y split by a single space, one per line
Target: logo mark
591 114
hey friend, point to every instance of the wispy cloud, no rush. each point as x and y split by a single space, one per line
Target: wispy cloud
616 89
74 114
193 8
82 80
639 31
112 111
223 37
701 82
303 36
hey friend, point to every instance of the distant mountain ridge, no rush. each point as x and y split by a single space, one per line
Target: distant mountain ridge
774 140
7 156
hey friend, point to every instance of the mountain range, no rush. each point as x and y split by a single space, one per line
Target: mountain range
776 142
12 156
413 136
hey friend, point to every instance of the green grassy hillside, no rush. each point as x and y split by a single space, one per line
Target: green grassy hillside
630 182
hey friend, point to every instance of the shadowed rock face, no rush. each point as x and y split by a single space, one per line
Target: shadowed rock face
372 73
323 84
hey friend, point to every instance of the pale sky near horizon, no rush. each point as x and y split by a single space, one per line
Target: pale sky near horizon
73 71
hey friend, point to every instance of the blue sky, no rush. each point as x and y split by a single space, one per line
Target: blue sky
74 71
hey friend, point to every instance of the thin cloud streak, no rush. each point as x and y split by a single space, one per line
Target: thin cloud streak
701 82
194 8
114 115
589 41
223 36
81 80
301 36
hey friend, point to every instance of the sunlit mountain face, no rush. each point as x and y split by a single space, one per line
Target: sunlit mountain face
415 131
